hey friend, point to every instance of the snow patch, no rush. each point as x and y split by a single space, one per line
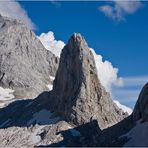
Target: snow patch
6 96
43 117
5 123
50 86
123 107
75 133
3 104
52 78
138 135
35 137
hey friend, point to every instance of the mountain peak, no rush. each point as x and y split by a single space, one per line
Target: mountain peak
78 95
18 44
77 36
77 40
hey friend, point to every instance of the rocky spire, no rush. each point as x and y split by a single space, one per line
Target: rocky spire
77 93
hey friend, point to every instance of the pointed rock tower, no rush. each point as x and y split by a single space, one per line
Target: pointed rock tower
78 95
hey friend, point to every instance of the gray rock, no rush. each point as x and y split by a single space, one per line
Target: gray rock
78 95
25 65
33 135
126 132
28 123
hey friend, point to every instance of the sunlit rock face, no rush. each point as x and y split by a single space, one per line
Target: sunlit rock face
77 93
25 64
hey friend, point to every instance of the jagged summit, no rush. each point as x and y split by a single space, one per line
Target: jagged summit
25 64
77 40
77 93
77 37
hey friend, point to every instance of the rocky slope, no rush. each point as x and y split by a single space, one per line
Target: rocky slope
132 131
25 65
78 95
77 103
77 112
140 117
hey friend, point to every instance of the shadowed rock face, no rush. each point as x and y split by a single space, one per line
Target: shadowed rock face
77 93
126 132
141 107
25 65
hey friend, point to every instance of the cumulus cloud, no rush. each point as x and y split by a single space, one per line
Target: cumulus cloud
50 43
13 9
106 72
117 10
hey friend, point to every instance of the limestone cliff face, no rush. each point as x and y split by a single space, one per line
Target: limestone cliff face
25 65
77 93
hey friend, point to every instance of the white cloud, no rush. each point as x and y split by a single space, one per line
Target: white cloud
117 10
13 9
106 72
126 94
129 92
48 40
135 81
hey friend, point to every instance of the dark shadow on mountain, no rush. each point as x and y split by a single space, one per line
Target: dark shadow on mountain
83 135
20 112
113 136
90 135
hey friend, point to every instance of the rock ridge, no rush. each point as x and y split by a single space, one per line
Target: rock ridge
25 64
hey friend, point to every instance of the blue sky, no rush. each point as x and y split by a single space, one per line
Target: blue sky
117 31
123 43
